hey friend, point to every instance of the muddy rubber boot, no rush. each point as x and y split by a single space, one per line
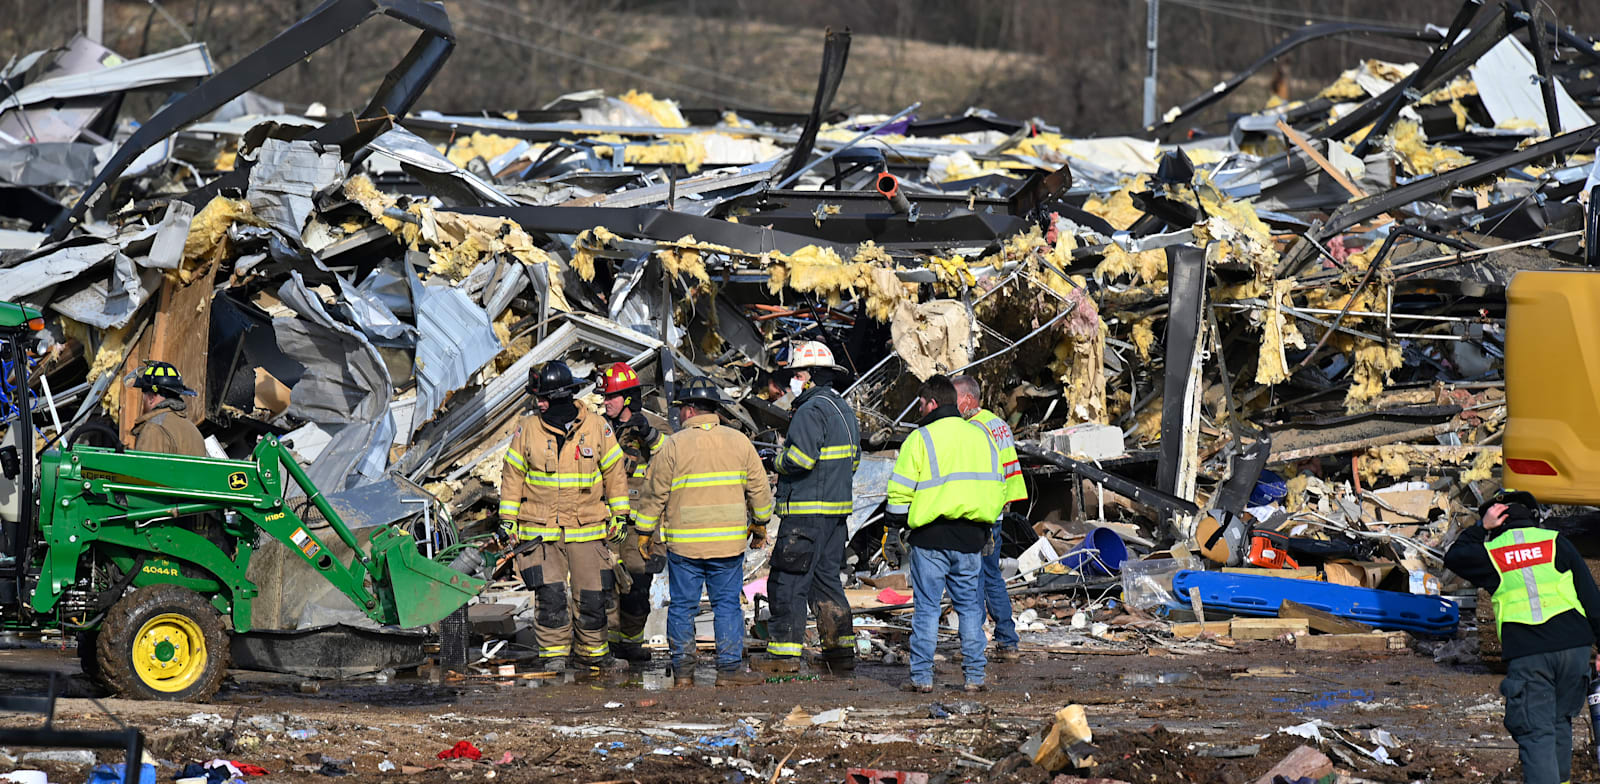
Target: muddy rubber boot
1005 655
779 665
558 664
631 652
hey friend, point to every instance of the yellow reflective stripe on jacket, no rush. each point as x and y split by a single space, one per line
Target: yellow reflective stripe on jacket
587 533
576 479
728 534
610 458
618 505
842 452
510 508
799 458
762 513
790 508
516 459
710 479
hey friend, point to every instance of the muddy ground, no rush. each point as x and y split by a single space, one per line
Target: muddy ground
1149 728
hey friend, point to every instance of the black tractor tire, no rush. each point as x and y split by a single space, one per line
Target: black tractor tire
89 657
163 642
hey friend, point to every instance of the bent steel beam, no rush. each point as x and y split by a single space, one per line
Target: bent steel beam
1288 44
328 23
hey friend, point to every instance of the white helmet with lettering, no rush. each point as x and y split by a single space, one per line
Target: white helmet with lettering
812 354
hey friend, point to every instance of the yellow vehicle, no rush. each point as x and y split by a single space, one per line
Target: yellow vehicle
1552 372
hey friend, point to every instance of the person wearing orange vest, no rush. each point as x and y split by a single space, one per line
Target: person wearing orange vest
969 396
707 493
624 398
1547 609
562 486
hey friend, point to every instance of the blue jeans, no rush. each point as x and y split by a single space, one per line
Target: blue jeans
723 580
997 601
933 573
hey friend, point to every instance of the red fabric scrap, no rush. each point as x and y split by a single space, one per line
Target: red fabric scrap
462 750
250 770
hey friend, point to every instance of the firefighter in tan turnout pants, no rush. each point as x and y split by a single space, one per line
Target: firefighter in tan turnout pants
562 488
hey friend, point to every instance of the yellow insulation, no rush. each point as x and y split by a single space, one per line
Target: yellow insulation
456 243
487 146
1418 157
1278 329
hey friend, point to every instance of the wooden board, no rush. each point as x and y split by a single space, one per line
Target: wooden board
1324 622
1302 573
180 334
1195 629
1267 628
1375 642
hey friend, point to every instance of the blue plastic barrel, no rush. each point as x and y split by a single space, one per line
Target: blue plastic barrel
1105 543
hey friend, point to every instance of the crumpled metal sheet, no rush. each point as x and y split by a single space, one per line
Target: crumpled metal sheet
868 489
48 163
345 383
57 266
456 341
109 304
285 177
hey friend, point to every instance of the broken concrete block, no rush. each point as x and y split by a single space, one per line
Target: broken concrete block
1088 441
492 620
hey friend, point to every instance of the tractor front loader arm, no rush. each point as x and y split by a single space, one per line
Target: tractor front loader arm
132 504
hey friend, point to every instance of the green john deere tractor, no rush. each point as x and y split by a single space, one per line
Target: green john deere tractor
105 542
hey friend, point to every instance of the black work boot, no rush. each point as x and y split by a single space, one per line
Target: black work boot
841 665
630 652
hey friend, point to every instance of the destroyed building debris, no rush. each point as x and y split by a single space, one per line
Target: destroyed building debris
1264 364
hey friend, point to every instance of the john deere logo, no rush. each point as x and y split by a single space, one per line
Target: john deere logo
238 481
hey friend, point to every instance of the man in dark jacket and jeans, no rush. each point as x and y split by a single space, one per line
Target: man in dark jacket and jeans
1548 611
816 472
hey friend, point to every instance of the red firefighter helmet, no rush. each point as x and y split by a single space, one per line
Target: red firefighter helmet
619 378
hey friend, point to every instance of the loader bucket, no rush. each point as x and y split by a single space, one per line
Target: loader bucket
417 591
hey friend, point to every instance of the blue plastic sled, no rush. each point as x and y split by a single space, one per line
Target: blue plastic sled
1255 595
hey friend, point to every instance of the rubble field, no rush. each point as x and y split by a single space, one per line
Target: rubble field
1255 364
1444 721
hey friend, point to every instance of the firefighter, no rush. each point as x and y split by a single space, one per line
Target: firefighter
1547 610
639 440
815 468
948 487
562 487
708 491
164 426
998 603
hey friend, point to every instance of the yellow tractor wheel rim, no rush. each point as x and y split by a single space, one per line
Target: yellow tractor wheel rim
169 653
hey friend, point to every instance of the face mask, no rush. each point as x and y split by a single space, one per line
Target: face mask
796 386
